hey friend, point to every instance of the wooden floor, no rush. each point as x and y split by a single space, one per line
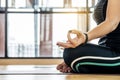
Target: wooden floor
47 72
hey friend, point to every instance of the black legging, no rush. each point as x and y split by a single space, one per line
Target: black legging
91 58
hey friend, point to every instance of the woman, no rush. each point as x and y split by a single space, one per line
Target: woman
91 58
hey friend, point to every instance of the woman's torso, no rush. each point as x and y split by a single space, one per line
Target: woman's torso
111 40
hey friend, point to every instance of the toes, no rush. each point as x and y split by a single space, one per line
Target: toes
59 66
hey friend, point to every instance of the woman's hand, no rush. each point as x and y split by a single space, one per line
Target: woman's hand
73 42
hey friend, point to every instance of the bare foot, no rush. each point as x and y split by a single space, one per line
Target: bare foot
63 68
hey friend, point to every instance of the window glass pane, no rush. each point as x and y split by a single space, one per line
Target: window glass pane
83 3
21 35
20 3
21 38
78 3
2 3
54 28
92 22
46 35
92 3
91 26
2 35
61 24
51 3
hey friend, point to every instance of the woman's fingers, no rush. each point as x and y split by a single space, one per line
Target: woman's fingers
65 45
70 39
72 42
78 36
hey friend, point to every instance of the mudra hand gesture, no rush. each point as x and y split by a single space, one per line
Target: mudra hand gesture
73 42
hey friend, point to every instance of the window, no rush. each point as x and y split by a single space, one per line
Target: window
31 28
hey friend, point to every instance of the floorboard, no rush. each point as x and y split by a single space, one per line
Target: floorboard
47 72
60 77
28 69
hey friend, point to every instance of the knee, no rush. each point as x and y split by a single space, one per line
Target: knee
71 54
